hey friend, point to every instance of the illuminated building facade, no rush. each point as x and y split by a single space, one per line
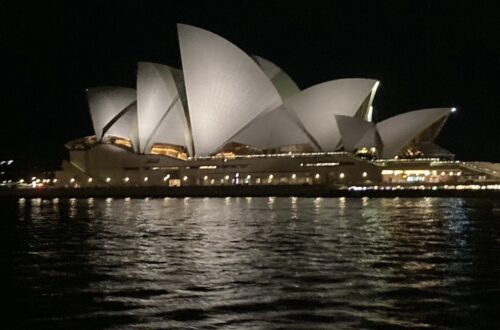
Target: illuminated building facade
228 118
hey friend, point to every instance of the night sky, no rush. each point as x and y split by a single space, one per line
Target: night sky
425 53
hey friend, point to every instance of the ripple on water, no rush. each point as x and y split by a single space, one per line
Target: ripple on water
233 263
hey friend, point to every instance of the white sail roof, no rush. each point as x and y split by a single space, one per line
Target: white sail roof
317 105
225 88
356 132
398 131
273 129
284 84
126 126
107 102
161 115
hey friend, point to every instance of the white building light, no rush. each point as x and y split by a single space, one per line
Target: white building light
108 179
89 180
72 180
146 179
54 181
316 176
294 176
185 178
205 178
365 174
342 175
126 179
166 177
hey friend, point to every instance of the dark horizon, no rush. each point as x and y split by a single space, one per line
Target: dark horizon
426 54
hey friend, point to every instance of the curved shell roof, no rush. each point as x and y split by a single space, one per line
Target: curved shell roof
225 88
126 126
285 86
106 103
273 129
161 115
356 132
398 131
317 105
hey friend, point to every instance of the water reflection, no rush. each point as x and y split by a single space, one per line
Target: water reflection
255 262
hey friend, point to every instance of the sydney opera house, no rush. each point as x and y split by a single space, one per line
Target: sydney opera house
229 118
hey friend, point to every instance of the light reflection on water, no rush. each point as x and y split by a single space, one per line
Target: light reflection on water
254 262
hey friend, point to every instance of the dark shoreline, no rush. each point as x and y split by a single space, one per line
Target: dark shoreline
236 191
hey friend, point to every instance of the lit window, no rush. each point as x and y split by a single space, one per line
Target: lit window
294 176
205 178
248 177
226 177
271 176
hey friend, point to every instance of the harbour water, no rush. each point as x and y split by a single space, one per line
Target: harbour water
251 263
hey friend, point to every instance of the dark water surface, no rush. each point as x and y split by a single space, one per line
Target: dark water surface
251 263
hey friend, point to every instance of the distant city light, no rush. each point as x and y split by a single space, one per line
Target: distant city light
453 109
